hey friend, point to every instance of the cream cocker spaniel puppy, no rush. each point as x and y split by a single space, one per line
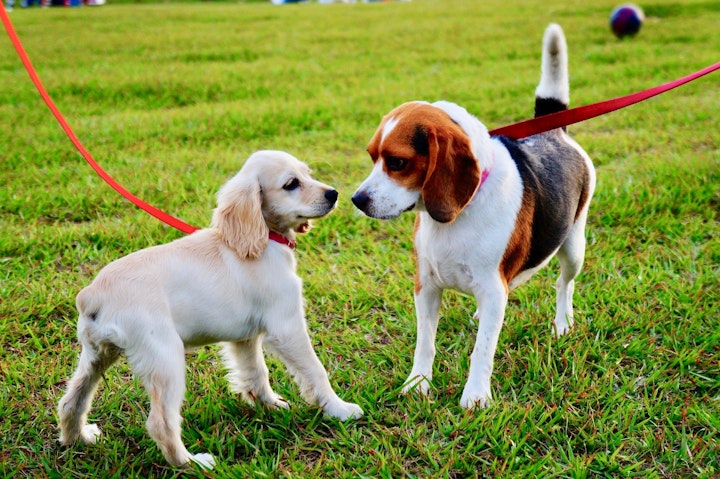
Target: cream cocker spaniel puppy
234 282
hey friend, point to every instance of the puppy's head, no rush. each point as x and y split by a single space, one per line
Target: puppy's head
273 191
422 159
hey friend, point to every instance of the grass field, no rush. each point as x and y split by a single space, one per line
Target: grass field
172 97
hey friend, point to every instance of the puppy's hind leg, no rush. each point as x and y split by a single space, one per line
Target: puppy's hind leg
74 406
160 363
571 255
248 374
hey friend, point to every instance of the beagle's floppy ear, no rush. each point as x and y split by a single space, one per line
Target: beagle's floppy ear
239 219
453 173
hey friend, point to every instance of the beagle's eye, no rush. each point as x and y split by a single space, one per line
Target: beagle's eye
394 163
291 185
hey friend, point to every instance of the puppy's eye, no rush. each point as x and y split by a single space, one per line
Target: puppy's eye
291 185
394 163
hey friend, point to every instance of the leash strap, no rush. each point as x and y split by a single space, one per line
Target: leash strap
559 119
161 215
515 131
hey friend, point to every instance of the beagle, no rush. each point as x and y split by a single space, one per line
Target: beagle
491 211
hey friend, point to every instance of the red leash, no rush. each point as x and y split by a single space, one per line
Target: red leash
516 131
161 215
582 113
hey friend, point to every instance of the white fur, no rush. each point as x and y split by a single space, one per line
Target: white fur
389 125
554 82
225 283
390 200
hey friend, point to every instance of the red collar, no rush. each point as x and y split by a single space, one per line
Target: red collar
278 238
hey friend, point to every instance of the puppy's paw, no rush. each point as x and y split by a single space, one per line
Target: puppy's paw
275 402
343 410
267 397
90 433
204 460
418 383
477 399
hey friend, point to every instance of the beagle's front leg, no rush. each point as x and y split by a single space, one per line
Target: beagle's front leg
427 306
489 315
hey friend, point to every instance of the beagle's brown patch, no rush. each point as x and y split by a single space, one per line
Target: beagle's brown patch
518 248
401 143
584 194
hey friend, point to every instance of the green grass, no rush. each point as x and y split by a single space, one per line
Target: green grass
171 98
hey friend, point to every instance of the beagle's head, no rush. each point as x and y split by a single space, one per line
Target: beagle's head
422 159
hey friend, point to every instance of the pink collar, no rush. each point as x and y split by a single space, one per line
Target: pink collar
278 238
483 176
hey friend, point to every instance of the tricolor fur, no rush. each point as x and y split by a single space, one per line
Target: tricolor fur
491 210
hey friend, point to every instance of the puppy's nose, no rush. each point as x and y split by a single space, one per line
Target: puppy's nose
331 196
361 200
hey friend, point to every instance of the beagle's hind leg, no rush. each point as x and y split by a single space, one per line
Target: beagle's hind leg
571 256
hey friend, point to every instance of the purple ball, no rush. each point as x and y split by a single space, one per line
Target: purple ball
626 20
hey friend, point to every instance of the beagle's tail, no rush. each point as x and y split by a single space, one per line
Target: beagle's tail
553 92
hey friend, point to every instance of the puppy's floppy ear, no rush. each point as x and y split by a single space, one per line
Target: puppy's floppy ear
453 173
239 219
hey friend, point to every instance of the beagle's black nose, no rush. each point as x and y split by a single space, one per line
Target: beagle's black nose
361 200
331 196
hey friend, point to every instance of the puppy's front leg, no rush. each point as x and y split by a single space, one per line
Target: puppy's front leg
427 306
490 314
292 345
248 374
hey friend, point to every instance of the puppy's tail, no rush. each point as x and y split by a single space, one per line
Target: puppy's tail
553 92
96 325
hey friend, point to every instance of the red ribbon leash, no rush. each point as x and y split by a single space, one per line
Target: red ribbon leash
159 214
575 115
516 131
